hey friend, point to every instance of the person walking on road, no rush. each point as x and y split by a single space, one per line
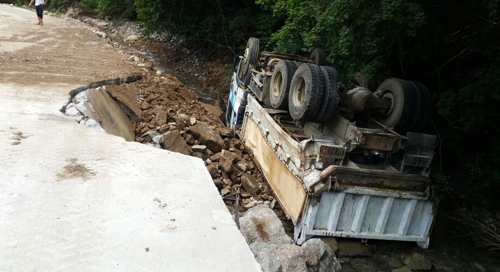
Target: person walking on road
39 9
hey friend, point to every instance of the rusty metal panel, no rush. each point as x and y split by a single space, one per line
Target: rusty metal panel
332 153
385 182
288 189
380 142
343 131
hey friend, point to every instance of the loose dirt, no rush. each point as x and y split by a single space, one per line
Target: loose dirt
52 64
75 170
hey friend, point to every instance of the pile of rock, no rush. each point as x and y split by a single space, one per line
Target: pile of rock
174 120
227 161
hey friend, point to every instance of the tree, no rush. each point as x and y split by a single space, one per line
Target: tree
359 35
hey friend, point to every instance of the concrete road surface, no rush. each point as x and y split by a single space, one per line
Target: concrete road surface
76 199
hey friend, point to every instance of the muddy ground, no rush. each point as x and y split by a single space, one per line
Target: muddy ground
180 111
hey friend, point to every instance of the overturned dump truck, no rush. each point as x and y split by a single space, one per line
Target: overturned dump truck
336 159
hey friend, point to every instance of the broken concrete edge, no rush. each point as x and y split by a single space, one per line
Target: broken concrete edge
122 126
96 109
110 115
106 82
126 97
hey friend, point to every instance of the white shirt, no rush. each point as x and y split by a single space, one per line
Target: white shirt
39 2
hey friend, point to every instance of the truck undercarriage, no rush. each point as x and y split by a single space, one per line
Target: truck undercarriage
334 157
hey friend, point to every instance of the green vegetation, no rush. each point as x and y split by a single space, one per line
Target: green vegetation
360 35
451 46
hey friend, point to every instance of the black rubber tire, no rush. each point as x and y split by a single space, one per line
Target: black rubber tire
318 56
306 92
417 112
251 56
425 105
331 96
402 95
280 83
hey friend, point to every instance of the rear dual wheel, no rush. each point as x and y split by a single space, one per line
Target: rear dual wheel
280 83
306 92
309 92
409 104
424 103
318 57
331 96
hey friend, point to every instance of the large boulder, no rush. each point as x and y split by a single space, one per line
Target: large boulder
173 141
273 248
261 224
319 256
279 258
207 136
161 117
250 184
417 261
263 255
314 255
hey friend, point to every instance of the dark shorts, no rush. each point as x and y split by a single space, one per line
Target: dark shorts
39 11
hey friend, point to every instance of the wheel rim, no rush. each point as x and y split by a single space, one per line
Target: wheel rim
299 93
388 95
277 84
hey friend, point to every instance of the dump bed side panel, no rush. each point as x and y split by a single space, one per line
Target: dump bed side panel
283 145
288 189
